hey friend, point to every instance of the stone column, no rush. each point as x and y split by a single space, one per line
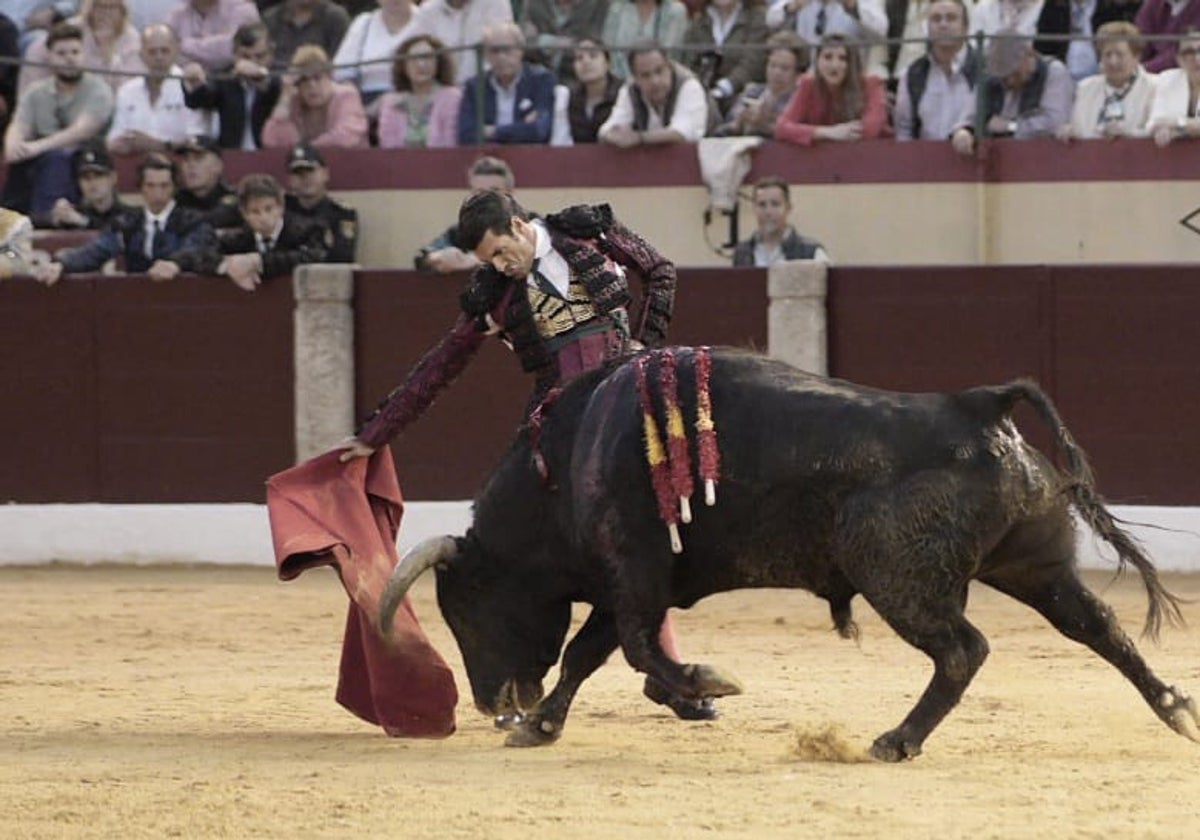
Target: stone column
324 357
796 316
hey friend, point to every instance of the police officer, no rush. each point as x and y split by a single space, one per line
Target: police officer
99 204
204 189
308 178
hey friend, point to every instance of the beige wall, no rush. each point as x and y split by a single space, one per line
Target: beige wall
860 224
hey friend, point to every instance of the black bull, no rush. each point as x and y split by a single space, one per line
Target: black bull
824 485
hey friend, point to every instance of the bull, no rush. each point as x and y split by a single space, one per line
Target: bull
824 485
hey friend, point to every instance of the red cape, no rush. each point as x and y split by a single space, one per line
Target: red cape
326 513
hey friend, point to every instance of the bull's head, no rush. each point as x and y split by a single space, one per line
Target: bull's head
508 634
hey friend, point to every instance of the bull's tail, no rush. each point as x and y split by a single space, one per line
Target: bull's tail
1081 488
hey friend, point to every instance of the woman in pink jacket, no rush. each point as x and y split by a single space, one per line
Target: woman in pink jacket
423 110
835 102
313 108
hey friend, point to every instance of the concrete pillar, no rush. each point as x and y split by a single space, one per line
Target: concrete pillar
796 315
324 357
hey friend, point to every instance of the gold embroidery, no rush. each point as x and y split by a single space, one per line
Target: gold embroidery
553 316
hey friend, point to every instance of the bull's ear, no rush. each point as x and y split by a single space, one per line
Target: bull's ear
420 558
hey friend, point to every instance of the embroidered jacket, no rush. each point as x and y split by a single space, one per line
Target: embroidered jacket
591 241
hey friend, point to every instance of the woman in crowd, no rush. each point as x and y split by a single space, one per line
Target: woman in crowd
835 102
723 47
373 37
313 108
1115 102
594 92
109 43
423 110
1174 114
757 108
630 21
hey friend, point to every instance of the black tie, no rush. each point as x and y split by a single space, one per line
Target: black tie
155 241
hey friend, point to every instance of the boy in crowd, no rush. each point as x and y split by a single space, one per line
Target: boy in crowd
269 242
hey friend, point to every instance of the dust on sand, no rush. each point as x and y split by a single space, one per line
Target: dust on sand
198 702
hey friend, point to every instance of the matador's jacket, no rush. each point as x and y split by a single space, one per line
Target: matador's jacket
602 256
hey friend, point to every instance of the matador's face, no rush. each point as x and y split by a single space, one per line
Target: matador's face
509 253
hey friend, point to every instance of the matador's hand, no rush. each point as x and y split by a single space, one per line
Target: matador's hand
353 448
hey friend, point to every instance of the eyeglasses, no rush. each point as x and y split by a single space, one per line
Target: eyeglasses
1188 51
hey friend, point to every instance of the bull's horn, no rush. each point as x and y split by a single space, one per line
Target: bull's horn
412 565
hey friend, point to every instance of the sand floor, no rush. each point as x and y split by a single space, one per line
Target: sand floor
198 702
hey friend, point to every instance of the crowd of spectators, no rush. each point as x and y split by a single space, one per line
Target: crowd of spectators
182 80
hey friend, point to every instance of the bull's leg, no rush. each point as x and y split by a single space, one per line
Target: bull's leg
937 627
1082 617
586 652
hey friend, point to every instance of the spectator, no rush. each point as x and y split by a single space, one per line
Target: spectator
835 102
518 97
16 244
553 27
992 17
423 110
594 92
1173 114
857 21
10 49
268 243
1026 94
724 46
634 21
309 199
458 24
775 240
32 16
662 103
204 189
1165 17
143 13
297 23
442 255
53 117
99 204
109 43
936 88
160 239
374 37
1116 102
759 106
243 102
1081 19
313 108
206 29
150 112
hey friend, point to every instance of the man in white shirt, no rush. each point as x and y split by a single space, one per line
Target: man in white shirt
661 103
150 113
939 86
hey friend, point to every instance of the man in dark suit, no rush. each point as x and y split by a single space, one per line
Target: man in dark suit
245 101
518 97
308 198
269 242
160 239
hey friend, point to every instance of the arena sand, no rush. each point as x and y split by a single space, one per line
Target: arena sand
198 702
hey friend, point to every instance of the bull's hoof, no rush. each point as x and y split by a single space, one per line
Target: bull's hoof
684 708
532 732
1179 712
509 722
892 748
712 682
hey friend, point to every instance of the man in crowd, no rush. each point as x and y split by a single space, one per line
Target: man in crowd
54 117
204 189
1025 94
518 97
160 239
269 243
308 198
205 29
99 203
442 255
937 88
294 23
244 102
775 240
661 103
150 112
